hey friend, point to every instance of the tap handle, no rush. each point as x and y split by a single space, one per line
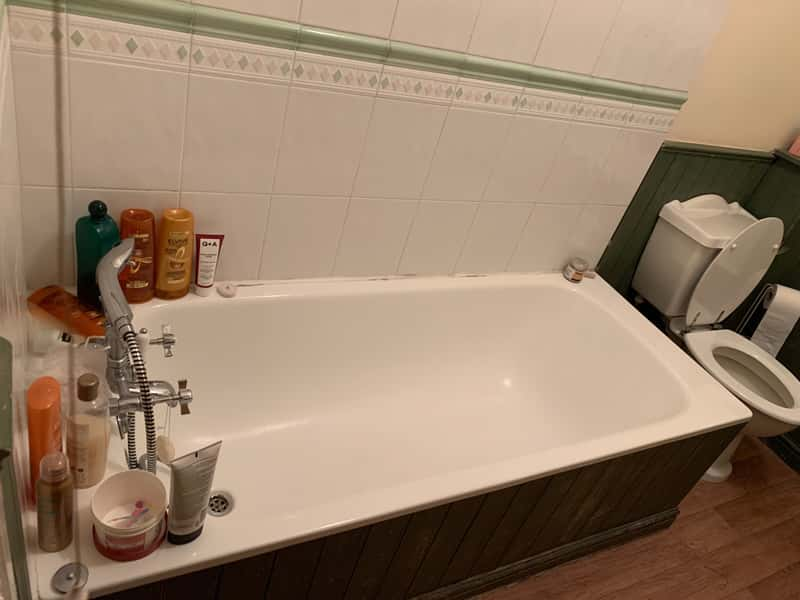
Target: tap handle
185 396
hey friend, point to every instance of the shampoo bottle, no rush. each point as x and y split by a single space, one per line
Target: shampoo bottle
138 280
87 434
95 234
43 401
174 255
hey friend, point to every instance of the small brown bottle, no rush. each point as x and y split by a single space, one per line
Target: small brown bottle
54 503
174 255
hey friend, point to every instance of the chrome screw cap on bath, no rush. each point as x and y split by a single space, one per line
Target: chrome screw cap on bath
70 577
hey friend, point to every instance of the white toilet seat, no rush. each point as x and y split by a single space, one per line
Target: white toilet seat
714 347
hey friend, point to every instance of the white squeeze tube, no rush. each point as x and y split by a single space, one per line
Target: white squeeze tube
190 486
206 252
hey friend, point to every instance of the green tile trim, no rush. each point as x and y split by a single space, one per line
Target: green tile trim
181 16
8 480
229 25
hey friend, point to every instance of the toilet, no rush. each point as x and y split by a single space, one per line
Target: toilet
701 262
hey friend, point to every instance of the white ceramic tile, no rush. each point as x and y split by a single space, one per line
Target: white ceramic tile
233 131
510 29
119 200
683 47
242 218
595 226
127 125
400 144
436 237
439 23
371 17
47 237
635 39
9 155
545 241
575 34
302 236
627 164
43 160
526 159
280 9
579 164
467 150
493 237
373 237
322 141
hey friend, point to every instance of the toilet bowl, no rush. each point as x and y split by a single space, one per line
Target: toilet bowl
756 378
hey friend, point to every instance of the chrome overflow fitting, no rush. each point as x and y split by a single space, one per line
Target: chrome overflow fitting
166 341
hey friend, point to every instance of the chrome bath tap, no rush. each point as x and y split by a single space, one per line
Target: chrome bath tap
125 368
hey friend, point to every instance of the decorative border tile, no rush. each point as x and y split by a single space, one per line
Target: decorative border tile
607 112
335 73
241 60
397 82
495 97
90 37
36 30
549 104
655 119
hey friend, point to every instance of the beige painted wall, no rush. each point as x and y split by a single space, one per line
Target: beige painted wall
747 94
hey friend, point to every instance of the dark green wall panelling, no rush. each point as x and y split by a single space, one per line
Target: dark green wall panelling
679 171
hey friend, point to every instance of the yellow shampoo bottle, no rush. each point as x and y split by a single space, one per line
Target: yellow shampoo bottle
174 269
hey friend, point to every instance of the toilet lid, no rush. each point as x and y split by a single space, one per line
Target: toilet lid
734 272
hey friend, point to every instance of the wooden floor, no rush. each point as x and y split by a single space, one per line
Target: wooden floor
738 540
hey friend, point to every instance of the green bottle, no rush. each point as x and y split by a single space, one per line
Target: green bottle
95 234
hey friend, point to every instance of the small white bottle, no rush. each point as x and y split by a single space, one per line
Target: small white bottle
87 434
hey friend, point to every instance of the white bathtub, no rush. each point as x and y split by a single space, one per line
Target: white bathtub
342 402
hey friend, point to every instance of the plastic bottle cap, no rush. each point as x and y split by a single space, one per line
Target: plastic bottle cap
97 209
88 384
54 467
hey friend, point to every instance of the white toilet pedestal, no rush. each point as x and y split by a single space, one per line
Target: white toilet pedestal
721 469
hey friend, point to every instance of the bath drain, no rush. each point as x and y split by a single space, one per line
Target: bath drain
220 504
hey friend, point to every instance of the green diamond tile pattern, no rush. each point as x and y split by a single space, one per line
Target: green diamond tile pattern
182 52
198 56
337 76
77 37
131 45
243 62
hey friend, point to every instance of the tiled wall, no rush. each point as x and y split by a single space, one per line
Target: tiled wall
655 42
318 166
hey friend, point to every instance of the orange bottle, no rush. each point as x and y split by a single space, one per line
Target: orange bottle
44 423
54 303
138 281
174 255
